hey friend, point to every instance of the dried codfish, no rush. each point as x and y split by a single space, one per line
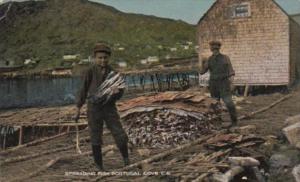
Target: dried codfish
104 92
161 129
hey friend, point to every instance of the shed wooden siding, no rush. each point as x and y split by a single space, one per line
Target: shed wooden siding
296 18
295 50
257 45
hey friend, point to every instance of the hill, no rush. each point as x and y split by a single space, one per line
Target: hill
47 30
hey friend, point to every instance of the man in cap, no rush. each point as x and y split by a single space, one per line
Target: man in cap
98 114
221 78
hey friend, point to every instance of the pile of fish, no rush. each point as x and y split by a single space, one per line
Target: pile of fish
164 128
168 119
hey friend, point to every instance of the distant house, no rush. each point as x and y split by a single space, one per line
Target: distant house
70 60
160 47
144 61
186 47
85 61
71 57
152 59
261 39
173 49
9 65
122 64
27 61
167 57
30 62
61 71
6 63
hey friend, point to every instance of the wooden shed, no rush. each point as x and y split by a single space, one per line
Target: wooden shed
261 39
296 17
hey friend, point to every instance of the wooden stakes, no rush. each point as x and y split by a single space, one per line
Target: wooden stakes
21 135
161 81
4 142
246 90
77 140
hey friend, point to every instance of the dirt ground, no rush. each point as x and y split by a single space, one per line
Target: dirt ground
269 122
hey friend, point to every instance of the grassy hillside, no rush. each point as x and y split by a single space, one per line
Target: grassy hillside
47 30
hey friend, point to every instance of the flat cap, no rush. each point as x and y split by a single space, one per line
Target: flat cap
215 43
102 47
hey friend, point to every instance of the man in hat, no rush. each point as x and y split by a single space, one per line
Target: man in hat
98 114
221 78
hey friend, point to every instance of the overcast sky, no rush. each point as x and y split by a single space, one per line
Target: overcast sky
187 10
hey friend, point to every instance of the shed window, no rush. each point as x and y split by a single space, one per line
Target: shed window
240 10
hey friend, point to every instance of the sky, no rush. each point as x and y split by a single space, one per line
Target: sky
189 11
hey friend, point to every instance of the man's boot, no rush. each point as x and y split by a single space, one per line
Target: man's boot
124 152
232 110
97 154
233 116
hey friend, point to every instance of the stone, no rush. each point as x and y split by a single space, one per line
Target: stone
110 153
296 173
270 144
243 161
229 175
280 161
292 133
144 152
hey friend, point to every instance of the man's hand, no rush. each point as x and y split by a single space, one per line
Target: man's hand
76 118
203 66
115 90
231 79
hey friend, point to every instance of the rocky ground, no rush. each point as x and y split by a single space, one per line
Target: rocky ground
57 160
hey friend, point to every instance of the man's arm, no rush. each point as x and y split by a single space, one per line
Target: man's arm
204 66
231 72
84 89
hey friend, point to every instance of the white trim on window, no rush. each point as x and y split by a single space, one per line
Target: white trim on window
240 10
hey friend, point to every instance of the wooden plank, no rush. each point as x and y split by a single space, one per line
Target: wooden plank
21 135
4 142
265 108
246 90
58 124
